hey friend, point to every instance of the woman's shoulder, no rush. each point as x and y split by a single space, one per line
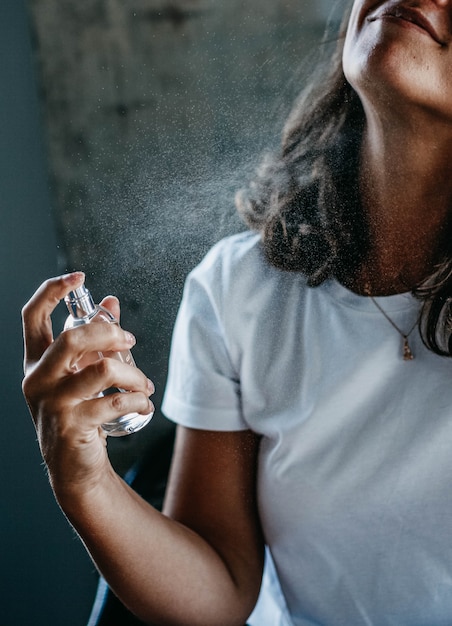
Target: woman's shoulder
236 270
235 259
234 250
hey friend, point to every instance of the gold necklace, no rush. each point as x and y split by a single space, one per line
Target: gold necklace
407 352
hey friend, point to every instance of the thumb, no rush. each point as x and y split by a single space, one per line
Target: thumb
112 304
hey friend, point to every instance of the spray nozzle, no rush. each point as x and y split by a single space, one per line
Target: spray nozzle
80 302
80 292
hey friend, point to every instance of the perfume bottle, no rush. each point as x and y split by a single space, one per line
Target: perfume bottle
82 310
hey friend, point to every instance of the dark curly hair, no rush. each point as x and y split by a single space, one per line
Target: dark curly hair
304 198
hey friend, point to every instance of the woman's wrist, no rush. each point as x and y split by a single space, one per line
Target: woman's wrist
73 492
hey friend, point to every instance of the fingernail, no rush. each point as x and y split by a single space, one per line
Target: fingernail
151 388
73 277
130 339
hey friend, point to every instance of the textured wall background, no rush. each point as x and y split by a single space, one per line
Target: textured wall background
154 112
45 576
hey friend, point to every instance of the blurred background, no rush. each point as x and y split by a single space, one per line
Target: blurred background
126 127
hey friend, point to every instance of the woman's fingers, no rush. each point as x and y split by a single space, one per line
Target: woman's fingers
75 348
107 373
71 369
81 409
112 304
99 411
37 324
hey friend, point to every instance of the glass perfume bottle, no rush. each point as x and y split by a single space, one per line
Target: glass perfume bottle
83 310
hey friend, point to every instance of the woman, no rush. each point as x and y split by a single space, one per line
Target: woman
314 420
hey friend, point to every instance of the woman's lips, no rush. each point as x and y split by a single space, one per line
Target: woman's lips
413 15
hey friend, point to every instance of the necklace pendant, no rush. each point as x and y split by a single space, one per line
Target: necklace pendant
407 354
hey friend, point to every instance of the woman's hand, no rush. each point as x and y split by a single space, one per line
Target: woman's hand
208 546
64 399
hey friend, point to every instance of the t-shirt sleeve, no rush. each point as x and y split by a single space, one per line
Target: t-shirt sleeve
203 387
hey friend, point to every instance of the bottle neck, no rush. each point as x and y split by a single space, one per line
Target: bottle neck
80 303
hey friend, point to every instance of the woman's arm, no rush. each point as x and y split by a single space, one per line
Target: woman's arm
199 564
203 565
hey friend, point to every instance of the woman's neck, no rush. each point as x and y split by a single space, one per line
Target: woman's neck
406 195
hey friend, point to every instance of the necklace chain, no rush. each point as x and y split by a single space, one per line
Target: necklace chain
407 352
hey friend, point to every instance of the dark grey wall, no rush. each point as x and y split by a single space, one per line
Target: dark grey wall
45 577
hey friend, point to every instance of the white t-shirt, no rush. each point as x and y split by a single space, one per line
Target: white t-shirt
355 463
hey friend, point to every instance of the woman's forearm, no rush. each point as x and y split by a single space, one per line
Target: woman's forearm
161 570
